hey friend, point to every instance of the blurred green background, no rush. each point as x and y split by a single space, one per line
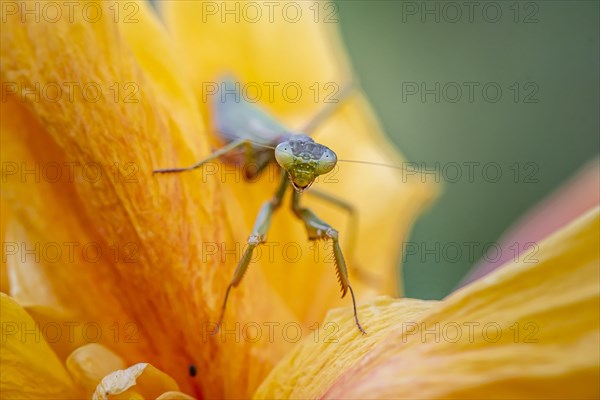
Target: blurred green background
544 57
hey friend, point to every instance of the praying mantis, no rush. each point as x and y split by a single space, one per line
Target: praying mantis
243 125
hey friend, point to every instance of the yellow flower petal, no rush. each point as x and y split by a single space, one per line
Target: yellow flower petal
30 370
528 330
149 382
278 51
315 364
90 363
161 64
174 396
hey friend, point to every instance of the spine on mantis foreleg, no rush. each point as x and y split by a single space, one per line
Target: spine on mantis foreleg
340 263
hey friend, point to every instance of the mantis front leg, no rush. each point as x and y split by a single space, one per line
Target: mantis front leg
319 229
365 276
213 156
261 226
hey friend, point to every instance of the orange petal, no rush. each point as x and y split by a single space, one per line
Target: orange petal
30 370
4 217
150 230
528 330
46 263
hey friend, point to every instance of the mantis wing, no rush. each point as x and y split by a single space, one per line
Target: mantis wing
237 118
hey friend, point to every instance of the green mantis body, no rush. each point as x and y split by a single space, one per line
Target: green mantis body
242 125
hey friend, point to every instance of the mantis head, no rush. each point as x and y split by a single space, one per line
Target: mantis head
304 160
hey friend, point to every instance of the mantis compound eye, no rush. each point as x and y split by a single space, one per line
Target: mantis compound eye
284 155
327 162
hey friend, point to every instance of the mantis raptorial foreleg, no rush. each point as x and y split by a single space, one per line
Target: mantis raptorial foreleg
259 232
364 276
216 154
319 229
344 205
